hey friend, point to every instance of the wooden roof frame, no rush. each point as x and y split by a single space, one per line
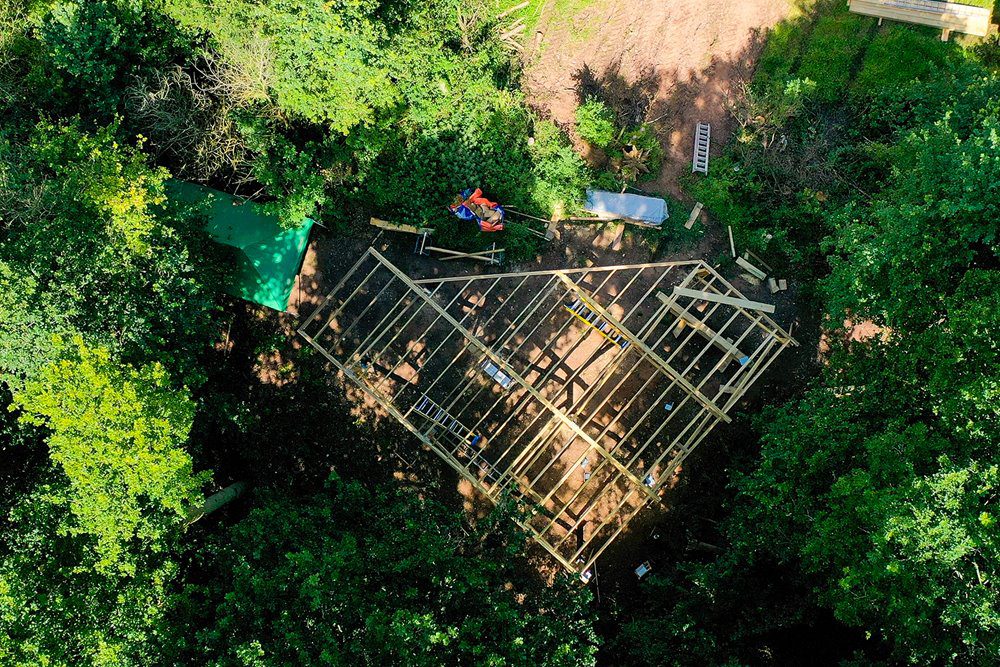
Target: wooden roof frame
499 375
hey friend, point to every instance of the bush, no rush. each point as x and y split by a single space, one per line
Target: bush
596 123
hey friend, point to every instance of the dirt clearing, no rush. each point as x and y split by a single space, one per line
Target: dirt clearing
671 62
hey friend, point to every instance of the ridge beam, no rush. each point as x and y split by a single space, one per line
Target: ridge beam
646 350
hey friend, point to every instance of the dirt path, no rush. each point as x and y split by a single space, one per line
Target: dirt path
671 61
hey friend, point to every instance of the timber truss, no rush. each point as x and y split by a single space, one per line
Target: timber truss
578 391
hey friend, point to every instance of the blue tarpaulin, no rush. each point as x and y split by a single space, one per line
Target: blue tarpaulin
613 205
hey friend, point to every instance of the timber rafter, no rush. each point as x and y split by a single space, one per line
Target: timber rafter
584 412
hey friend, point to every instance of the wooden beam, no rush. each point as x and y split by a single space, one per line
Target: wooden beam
616 243
566 272
728 300
511 10
753 270
399 227
732 246
647 351
695 212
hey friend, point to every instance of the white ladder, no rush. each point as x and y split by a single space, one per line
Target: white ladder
702 140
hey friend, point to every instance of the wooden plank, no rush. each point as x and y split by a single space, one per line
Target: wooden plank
772 285
398 227
616 243
732 246
728 300
695 212
550 229
753 270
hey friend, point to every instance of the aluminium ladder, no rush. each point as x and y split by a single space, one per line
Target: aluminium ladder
702 140
469 442
592 319
440 416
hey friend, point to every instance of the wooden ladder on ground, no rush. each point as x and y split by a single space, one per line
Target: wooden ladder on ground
702 140
592 319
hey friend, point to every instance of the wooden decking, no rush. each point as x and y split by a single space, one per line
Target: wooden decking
947 16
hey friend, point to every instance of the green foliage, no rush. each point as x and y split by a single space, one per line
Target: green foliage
93 48
327 56
560 177
356 577
87 217
937 218
56 606
878 512
784 45
882 68
30 321
117 435
290 174
595 122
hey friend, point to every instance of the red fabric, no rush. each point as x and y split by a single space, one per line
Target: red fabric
478 198
491 227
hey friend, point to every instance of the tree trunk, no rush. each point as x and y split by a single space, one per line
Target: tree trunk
215 501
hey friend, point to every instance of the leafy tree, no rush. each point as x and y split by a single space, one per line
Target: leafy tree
938 217
117 434
87 217
58 606
352 576
327 58
94 48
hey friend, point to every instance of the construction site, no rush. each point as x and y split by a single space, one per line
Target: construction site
578 392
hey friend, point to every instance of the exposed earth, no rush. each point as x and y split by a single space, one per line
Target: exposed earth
685 68
667 62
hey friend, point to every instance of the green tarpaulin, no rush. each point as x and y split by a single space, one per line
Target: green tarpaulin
268 257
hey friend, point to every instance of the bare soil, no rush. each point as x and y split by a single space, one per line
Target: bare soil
671 63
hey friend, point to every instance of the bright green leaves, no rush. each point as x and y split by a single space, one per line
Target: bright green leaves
113 185
327 55
87 221
596 123
117 434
